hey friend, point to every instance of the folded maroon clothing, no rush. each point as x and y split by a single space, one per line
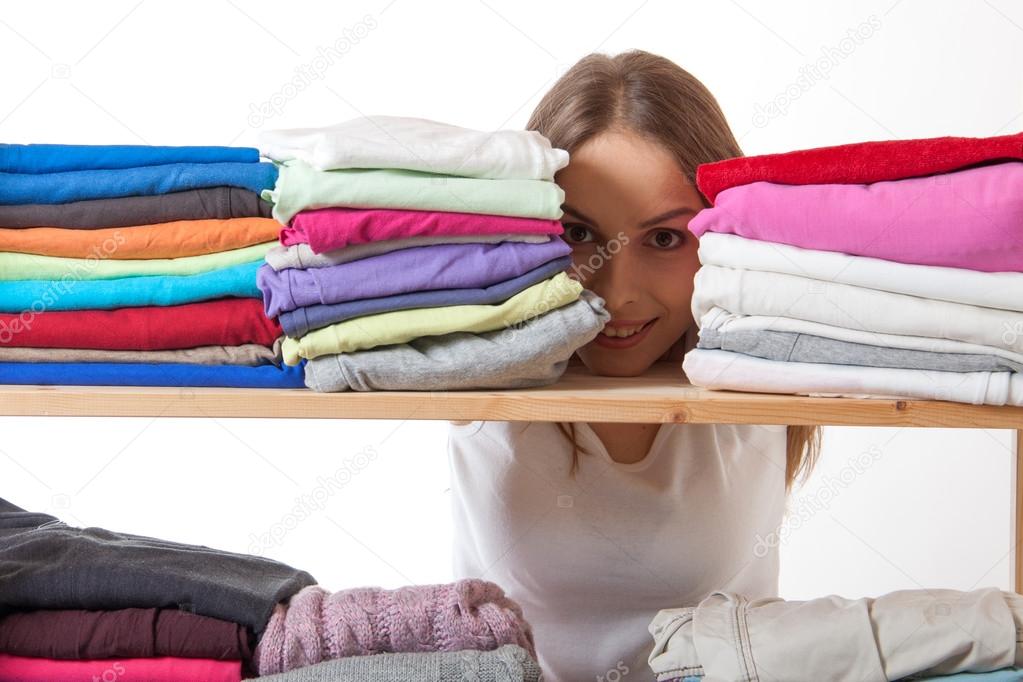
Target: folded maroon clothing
859 163
122 633
221 322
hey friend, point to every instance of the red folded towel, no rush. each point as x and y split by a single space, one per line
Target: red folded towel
859 163
223 322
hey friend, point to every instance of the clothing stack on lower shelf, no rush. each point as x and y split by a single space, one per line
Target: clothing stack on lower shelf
422 256
135 265
883 269
80 604
925 634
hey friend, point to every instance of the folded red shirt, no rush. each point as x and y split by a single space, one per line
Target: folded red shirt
222 322
859 163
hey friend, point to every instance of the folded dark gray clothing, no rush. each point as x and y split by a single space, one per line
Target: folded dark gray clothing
509 663
47 564
91 214
533 353
249 355
301 321
797 347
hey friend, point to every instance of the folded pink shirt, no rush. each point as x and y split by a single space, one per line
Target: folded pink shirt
969 219
162 669
327 229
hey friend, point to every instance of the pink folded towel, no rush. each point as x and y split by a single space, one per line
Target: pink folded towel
326 229
162 669
316 625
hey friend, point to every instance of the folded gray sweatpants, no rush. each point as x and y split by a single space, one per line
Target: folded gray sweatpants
508 663
532 353
729 637
796 347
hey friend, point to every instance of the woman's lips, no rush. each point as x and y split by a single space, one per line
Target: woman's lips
634 331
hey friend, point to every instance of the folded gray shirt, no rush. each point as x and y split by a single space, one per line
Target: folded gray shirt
250 355
796 347
508 663
532 353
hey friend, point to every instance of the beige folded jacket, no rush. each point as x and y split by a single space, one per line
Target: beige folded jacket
728 637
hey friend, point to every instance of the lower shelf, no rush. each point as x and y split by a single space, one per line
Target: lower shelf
656 397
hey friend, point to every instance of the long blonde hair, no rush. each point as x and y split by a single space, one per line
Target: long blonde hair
654 97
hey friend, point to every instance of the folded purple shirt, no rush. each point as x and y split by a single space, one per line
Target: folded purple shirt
303 320
422 268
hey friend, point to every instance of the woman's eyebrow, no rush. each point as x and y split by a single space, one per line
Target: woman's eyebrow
578 214
668 216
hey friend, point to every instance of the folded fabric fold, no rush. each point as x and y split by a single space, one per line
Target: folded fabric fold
316 625
163 669
34 297
859 163
420 145
1002 290
751 292
68 186
122 633
969 219
57 158
301 321
795 347
90 214
404 325
176 239
224 322
326 229
443 266
249 355
300 187
533 354
48 564
300 256
509 663
723 370
27 266
144 374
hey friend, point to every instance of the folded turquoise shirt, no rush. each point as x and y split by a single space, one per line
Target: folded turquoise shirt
56 158
300 187
39 296
65 187
145 374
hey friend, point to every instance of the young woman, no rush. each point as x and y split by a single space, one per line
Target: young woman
593 528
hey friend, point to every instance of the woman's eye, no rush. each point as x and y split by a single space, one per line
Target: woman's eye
665 239
576 233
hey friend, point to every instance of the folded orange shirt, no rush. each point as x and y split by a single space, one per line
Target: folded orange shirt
165 240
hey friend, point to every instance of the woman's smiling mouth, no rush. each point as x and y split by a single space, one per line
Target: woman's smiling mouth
624 333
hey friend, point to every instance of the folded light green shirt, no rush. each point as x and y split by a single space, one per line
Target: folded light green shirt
299 187
27 266
401 326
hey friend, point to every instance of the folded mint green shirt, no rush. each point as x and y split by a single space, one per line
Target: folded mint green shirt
299 187
24 266
402 326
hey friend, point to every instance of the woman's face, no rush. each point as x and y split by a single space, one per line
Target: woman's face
627 204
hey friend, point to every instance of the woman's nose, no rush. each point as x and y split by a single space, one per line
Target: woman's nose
613 274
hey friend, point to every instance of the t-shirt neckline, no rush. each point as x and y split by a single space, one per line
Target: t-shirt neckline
651 455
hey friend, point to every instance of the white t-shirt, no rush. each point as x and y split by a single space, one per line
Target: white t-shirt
592 559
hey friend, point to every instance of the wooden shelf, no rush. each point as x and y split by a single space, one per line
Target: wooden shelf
658 396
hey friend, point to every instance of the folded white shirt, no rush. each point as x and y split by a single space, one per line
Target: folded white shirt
724 370
752 292
420 145
1002 290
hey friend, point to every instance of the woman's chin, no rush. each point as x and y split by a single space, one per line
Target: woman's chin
605 363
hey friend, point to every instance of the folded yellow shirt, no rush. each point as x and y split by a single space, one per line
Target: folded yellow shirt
401 326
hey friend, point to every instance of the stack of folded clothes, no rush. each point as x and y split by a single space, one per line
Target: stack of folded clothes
880 269
135 265
93 604
925 634
422 256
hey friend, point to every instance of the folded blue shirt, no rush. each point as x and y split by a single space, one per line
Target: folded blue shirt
39 296
57 158
145 374
68 186
301 321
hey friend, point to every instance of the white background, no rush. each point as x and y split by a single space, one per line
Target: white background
930 509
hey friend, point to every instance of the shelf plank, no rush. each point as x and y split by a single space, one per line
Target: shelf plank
659 396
